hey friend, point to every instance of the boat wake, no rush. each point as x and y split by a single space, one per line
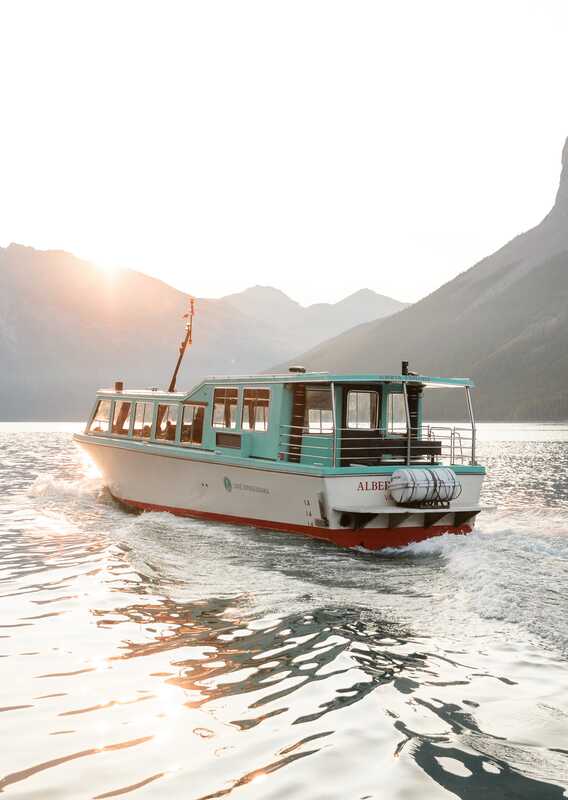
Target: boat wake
512 570
53 487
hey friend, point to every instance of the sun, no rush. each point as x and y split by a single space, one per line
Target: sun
109 272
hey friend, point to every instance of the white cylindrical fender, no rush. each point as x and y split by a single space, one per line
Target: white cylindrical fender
423 485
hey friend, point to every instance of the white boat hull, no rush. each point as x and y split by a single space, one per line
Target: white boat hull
350 510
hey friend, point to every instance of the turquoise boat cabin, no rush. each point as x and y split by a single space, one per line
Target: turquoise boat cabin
315 420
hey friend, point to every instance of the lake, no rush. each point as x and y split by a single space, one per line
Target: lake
158 657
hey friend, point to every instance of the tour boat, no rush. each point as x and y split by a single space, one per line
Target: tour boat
345 458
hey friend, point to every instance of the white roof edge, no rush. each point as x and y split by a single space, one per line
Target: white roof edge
141 392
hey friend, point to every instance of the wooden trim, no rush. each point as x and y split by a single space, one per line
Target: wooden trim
232 440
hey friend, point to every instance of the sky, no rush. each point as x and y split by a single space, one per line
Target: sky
316 146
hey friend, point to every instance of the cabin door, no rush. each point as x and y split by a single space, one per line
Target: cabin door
360 425
311 440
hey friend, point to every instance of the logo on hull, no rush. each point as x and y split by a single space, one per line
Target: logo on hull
228 485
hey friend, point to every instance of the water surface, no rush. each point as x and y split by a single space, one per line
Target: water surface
161 657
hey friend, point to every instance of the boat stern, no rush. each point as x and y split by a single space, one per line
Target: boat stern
365 505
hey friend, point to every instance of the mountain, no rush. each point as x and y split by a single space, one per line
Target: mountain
267 304
504 322
68 327
316 323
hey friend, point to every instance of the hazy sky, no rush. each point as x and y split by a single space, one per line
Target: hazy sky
319 147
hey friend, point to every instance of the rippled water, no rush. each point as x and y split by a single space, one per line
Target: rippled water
163 657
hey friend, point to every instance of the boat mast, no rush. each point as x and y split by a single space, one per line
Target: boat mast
187 340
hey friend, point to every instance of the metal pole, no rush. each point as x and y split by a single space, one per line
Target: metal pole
408 430
334 421
472 419
187 340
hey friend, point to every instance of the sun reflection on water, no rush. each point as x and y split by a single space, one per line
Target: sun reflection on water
267 666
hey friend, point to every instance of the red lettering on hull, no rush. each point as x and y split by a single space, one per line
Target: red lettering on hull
373 486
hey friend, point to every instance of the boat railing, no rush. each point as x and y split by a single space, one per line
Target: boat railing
427 444
300 443
456 441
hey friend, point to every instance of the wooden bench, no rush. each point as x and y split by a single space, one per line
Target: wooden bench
370 448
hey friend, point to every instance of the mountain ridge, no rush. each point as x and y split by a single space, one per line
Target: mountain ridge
504 321
68 327
322 319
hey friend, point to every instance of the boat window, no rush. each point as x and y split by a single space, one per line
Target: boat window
362 409
256 404
143 420
318 416
121 417
192 424
225 403
166 422
396 414
101 417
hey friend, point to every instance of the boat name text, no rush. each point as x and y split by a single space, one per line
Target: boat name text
373 486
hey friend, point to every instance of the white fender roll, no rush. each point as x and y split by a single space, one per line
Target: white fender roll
423 485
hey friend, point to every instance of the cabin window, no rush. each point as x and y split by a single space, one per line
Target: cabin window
192 424
101 417
143 420
362 408
225 403
121 417
166 422
396 413
256 404
318 416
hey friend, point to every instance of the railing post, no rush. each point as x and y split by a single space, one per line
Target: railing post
408 429
333 421
472 419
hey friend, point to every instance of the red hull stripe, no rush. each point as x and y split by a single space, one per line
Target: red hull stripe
370 538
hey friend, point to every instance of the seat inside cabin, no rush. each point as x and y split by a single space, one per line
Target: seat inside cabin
372 421
374 426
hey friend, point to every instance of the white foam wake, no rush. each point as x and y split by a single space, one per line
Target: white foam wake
49 486
515 574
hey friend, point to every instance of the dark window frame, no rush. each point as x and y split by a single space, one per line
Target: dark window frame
363 387
196 407
94 419
115 424
253 405
396 428
377 416
152 405
227 408
159 418
306 426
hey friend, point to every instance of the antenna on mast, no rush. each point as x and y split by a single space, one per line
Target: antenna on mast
185 341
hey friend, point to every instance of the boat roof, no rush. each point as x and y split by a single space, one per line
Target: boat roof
298 377
149 393
331 377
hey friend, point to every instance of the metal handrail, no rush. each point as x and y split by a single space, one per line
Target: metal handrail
422 429
368 444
